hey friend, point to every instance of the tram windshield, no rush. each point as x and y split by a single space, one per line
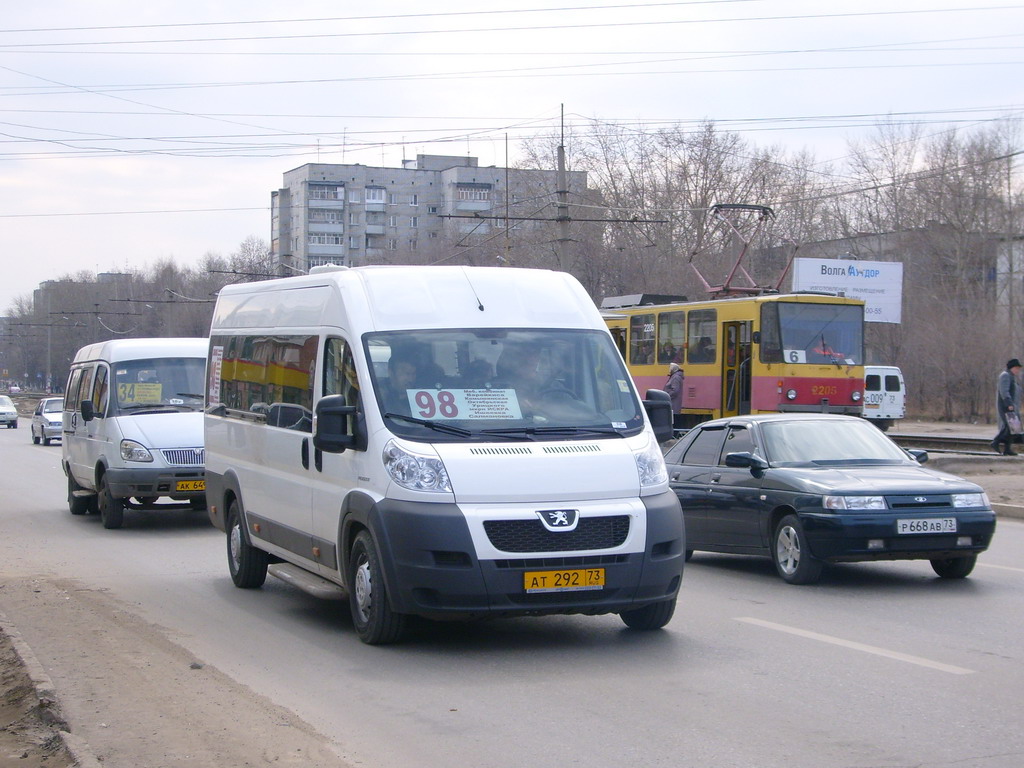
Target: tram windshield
813 333
502 384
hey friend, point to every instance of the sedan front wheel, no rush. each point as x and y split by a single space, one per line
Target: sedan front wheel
792 556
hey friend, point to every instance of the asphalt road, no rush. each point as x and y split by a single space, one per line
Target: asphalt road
879 665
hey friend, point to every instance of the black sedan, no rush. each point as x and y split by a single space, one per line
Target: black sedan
808 489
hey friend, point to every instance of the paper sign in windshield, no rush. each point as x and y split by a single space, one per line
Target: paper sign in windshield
147 392
464 403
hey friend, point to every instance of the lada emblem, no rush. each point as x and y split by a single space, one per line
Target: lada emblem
559 519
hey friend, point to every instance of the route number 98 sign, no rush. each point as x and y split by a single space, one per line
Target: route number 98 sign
443 404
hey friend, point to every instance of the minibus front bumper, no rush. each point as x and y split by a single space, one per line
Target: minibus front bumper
432 570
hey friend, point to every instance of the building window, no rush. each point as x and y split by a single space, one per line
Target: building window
432 209
473 193
392 243
353 242
432 235
326 216
353 196
392 198
414 221
326 192
412 245
375 194
374 217
392 220
414 199
325 238
353 218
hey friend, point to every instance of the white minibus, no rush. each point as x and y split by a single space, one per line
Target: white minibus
133 427
445 442
885 395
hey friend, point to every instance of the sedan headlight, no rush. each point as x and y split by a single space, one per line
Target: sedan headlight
415 471
133 451
651 465
970 500
854 502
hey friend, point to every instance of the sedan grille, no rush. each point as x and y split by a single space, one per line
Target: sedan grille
532 536
185 457
922 501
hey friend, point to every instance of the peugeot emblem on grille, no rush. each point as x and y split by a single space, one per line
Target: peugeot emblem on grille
920 499
559 519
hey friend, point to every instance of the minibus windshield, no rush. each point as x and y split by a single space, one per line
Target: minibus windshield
167 383
502 384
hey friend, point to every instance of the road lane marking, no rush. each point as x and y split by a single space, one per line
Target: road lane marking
1002 567
858 646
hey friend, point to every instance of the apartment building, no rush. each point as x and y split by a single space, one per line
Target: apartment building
358 214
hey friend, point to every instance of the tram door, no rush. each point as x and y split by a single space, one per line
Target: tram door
736 368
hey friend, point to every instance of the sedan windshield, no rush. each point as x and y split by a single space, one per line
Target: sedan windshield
53 406
826 442
6 402
504 384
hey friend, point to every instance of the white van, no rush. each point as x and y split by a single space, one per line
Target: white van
133 427
885 395
438 441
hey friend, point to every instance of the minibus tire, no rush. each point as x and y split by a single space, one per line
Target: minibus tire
246 564
372 617
79 505
653 616
111 509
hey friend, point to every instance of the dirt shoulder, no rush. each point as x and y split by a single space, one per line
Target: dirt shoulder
132 697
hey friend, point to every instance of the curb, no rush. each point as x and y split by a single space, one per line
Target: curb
1015 511
48 708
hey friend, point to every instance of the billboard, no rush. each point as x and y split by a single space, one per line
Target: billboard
878 283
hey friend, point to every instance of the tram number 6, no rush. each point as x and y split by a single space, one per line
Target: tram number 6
442 403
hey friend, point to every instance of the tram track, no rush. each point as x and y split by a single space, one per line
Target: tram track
945 443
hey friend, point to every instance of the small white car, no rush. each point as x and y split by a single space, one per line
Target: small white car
8 413
48 420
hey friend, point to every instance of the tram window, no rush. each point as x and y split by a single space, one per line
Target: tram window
702 334
671 336
641 339
771 342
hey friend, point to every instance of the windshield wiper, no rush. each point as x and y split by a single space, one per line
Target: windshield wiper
827 350
553 431
435 425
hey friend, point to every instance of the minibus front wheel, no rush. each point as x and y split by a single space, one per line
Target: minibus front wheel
375 622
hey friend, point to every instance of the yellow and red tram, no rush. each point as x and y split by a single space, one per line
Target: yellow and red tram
752 354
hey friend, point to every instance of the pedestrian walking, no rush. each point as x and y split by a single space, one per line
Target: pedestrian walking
674 388
1008 407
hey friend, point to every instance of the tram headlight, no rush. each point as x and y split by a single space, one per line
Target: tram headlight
791 394
855 396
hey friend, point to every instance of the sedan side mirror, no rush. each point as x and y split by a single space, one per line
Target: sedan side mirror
918 455
746 459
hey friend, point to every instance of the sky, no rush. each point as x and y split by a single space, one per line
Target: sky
134 132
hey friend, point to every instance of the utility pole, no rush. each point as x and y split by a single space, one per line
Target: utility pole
562 209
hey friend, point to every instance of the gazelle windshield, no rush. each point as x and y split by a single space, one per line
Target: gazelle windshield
501 384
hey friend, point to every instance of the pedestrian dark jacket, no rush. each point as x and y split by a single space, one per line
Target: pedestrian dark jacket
1007 394
674 387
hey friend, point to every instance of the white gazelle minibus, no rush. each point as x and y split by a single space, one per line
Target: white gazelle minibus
447 442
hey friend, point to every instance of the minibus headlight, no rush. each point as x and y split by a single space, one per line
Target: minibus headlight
415 471
651 465
855 396
133 451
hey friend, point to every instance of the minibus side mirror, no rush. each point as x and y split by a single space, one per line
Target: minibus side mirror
338 426
88 414
658 405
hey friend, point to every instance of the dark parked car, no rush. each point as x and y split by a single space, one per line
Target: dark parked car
808 489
